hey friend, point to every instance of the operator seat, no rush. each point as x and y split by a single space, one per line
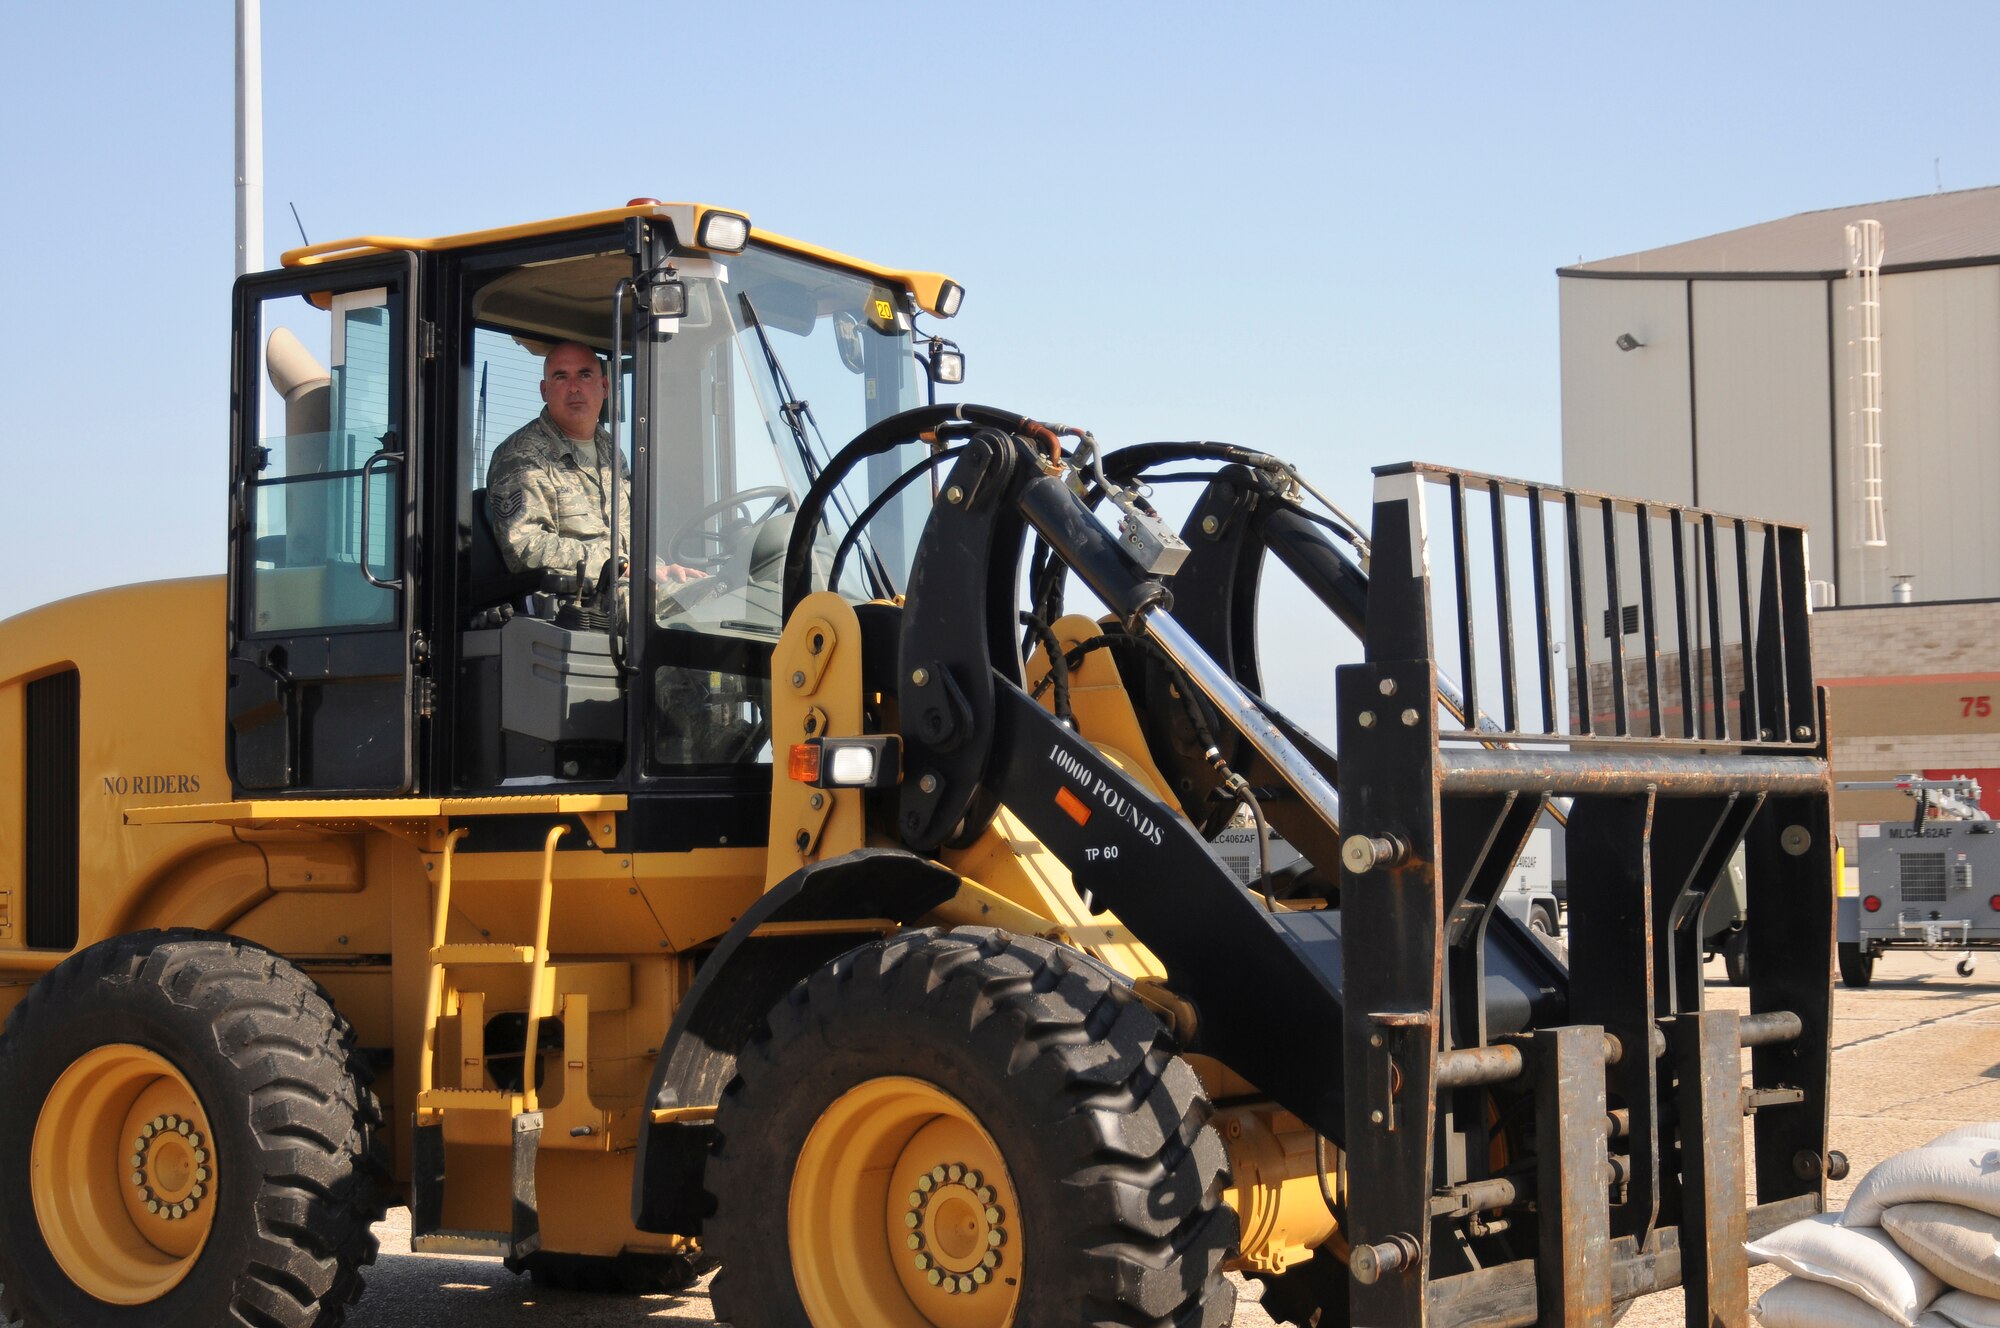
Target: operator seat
489 581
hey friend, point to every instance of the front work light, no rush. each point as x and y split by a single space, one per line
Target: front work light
727 232
950 295
875 762
947 362
666 297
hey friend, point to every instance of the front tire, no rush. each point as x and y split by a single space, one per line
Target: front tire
968 1130
189 1138
1857 966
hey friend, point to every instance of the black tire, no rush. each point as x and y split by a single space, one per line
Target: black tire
1736 958
1965 968
1101 1129
299 1167
1542 919
1857 967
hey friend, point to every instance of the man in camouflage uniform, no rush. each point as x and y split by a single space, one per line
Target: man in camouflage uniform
548 489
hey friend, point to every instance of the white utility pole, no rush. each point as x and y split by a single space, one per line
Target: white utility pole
249 138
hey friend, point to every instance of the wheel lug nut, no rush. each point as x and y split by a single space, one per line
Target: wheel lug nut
991 1260
913 1241
922 1261
909 1219
139 1179
937 1175
955 1172
971 1180
924 1182
916 1198
992 1214
934 1277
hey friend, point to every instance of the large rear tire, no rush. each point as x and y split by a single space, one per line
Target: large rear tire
189 1140
1857 967
967 1130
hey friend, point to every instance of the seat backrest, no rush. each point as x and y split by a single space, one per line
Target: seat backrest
490 581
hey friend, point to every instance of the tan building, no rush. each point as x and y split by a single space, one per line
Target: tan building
1788 371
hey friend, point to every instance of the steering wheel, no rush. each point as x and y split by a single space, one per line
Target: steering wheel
712 547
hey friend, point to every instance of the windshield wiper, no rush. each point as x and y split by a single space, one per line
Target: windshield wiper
797 415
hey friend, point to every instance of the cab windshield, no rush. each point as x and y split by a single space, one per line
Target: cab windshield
777 363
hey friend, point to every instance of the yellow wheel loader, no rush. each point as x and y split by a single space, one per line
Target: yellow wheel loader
802 862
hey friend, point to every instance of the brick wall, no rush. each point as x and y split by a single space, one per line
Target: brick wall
1906 685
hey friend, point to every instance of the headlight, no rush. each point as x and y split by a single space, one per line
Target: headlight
727 232
875 762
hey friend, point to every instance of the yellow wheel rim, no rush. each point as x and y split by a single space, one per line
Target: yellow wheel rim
903 1214
122 1173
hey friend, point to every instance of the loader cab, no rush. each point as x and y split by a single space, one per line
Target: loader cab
380 642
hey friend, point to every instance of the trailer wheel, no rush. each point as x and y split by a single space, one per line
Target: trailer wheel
967 1130
1736 958
189 1138
1857 966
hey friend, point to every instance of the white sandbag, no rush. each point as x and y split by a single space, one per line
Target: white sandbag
1962 1309
1862 1261
1797 1303
1959 1245
1989 1130
1965 1172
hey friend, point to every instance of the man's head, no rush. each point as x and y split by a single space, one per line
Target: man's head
573 387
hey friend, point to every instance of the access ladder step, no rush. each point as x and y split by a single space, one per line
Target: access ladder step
482 952
496 1243
470 1099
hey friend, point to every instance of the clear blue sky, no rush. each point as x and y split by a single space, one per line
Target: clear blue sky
1327 230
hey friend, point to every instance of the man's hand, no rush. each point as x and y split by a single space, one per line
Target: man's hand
673 574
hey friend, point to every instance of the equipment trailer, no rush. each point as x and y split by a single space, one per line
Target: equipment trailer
852 916
1931 884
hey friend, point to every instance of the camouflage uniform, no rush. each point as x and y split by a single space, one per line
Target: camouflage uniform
547 497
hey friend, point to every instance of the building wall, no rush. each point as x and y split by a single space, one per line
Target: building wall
1941 430
1763 434
1626 414
1764 425
1910 688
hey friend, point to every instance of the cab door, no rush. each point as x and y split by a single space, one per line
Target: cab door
322 694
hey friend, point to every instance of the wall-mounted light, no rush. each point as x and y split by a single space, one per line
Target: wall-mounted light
1626 341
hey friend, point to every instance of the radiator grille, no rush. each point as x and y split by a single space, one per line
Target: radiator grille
1923 878
51 796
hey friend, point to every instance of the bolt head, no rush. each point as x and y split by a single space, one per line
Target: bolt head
928 783
920 676
1409 719
818 801
1375 1117
1366 719
954 495
1387 686
1803 732
799 678
1209 525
